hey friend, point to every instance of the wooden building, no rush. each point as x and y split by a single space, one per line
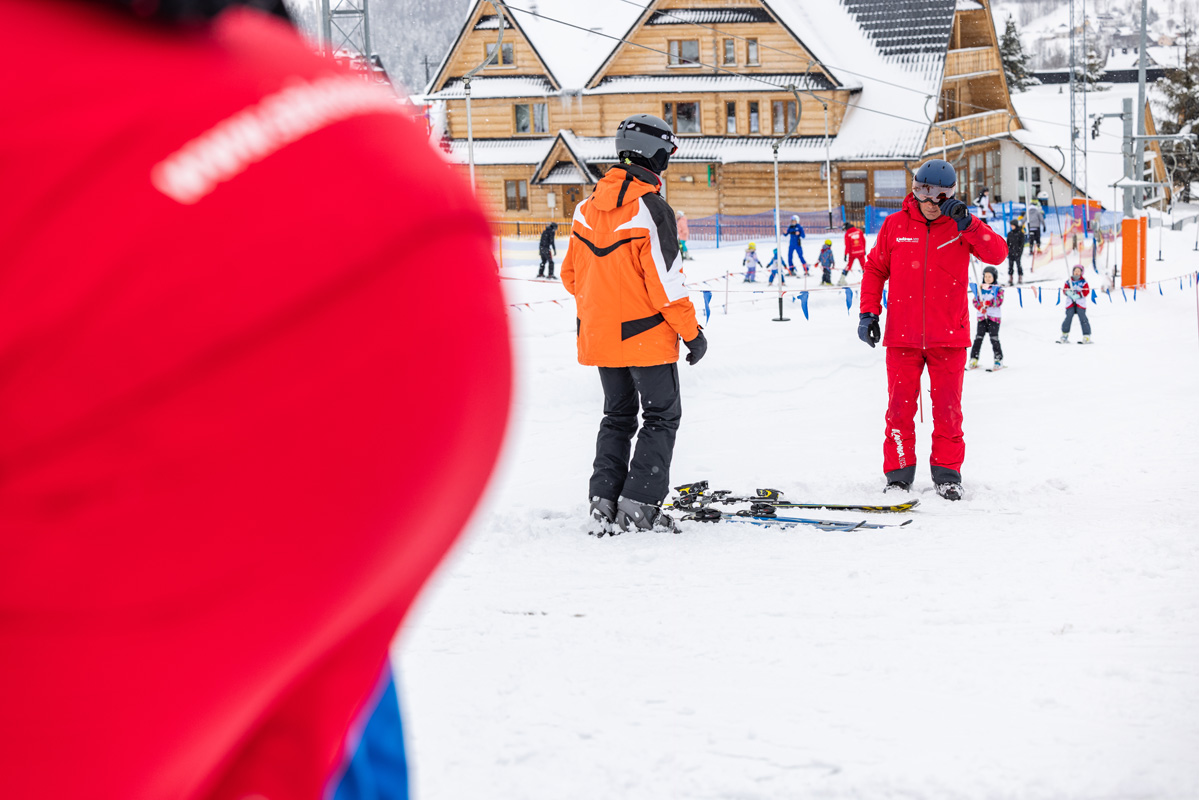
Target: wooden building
877 87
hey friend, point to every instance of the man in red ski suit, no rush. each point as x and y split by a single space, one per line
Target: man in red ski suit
924 253
235 442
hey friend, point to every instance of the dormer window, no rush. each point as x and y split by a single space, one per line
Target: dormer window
683 53
506 58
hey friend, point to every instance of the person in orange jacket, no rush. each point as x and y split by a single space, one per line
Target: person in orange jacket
220 495
624 270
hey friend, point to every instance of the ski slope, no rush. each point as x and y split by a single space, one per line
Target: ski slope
1039 639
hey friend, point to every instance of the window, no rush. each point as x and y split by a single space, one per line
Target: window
730 118
516 196
681 117
730 51
754 118
684 52
890 184
532 118
783 124
751 52
506 57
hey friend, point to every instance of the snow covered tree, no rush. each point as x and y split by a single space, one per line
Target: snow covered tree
1180 90
1090 72
1015 60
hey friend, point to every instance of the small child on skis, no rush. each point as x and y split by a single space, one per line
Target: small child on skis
751 263
826 261
1077 290
989 304
774 266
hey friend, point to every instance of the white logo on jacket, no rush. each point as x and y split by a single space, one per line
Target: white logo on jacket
911 239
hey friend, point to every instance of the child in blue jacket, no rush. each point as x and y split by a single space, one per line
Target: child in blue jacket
826 261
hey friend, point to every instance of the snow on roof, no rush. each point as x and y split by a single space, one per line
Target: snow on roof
719 149
708 16
508 86
1127 58
969 5
1045 114
895 48
501 151
705 82
575 50
491 22
565 173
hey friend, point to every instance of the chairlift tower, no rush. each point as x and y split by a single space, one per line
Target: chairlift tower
345 26
1078 94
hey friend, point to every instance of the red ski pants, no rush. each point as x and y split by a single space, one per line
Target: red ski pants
858 258
946 369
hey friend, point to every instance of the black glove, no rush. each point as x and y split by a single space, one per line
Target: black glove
696 348
868 328
957 211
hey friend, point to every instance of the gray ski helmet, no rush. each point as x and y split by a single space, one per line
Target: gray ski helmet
648 137
937 172
994 274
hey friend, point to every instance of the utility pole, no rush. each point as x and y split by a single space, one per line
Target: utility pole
1139 158
345 25
426 58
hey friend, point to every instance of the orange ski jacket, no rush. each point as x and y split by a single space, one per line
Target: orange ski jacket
623 268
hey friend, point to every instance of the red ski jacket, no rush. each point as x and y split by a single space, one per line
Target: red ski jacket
855 242
927 264
235 441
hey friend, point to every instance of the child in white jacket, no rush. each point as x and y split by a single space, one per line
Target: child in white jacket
990 310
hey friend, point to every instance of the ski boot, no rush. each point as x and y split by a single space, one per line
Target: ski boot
973 364
634 516
603 517
1065 338
1086 340
842 281
950 490
998 364
897 486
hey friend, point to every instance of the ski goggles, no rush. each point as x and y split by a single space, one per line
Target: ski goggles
927 191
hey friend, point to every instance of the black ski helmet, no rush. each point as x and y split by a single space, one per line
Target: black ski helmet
646 140
194 10
937 172
994 274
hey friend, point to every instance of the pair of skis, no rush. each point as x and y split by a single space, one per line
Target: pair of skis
696 501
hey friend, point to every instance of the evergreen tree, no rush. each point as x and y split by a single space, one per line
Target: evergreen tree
1015 60
1090 72
1180 88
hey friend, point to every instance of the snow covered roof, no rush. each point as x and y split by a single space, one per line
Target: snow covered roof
1127 58
708 16
573 37
1046 119
681 84
491 152
488 87
969 5
491 22
565 173
895 49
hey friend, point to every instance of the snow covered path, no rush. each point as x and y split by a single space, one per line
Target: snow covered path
1039 639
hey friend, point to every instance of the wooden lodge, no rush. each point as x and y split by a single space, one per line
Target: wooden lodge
878 86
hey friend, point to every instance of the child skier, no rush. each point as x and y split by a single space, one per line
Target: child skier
989 304
680 221
774 266
1015 249
751 263
826 261
795 231
1077 291
855 250
1036 222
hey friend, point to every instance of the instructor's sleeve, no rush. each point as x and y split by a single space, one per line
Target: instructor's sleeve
876 272
986 245
662 267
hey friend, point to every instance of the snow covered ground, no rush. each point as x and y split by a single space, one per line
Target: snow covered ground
1039 639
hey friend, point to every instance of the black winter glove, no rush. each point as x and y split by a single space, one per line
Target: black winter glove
957 211
696 348
868 328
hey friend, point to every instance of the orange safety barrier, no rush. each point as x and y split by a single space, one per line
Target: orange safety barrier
1136 238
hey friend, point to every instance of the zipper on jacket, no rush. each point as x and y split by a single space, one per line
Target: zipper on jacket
928 235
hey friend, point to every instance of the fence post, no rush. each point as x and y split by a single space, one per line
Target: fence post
867 213
718 247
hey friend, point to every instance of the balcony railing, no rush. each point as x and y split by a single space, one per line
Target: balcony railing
970 61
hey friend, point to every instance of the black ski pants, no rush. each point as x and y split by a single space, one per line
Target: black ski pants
656 390
546 258
1082 317
987 327
1013 264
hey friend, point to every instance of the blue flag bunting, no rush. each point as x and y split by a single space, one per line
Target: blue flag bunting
1093 296
1159 290
707 306
884 298
1124 293
848 297
1109 294
803 302
1020 296
974 290
1059 298
1134 293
